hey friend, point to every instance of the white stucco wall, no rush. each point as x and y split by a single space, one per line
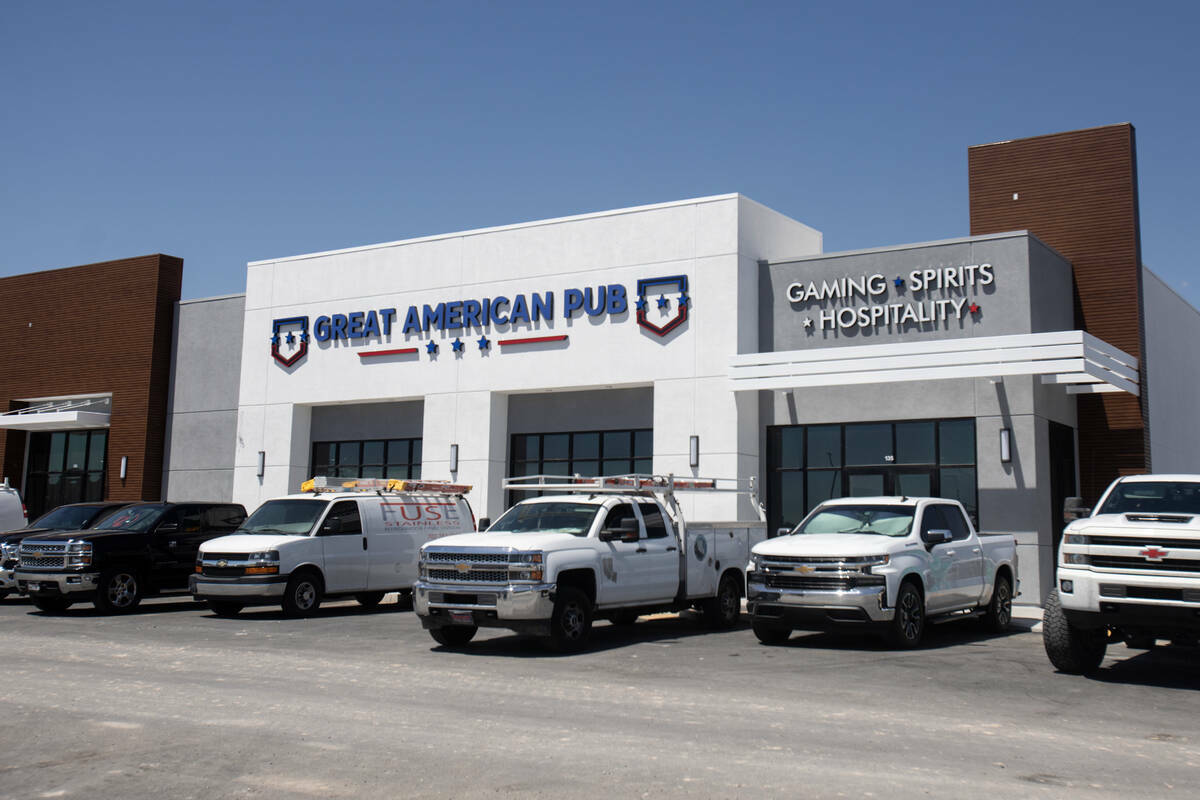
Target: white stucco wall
1172 376
714 241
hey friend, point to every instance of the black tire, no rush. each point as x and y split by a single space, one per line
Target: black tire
998 616
908 624
723 611
118 591
623 618
4 593
1072 650
453 635
225 608
52 605
302 597
369 599
770 632
404 599
571 621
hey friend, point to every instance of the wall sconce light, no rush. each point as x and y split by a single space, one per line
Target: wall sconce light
124 466
693 451
1005 445
454 458
262 463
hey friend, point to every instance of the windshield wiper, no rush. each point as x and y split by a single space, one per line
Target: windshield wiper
264 530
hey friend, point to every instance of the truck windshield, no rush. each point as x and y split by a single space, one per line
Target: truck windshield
284 516
1153 497
66 518
884 520
573 518
133 518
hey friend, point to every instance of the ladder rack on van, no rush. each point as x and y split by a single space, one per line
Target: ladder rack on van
324 484
666 485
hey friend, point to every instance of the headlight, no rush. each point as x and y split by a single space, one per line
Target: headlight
79 554
8 550
876 561
264 563
525 566
1075 558
1075 538
525 558
266 555
753 565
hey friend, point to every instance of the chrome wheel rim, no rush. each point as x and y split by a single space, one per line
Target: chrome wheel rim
122 589
910 616
305 594
572 621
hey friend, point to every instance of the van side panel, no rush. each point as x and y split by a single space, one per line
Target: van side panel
398 525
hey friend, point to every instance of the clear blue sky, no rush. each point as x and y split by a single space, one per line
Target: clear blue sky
226 132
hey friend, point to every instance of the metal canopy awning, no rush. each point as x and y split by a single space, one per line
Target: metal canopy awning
1075 359
60 414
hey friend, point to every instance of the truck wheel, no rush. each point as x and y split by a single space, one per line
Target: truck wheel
571 621
453 635
225 608
908 625
623 618
770 633
404 598
52 604
999 611
1070 649
302 597
722 612
117 591
369 599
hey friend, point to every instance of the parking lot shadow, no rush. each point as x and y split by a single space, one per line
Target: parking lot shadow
1167 667
937 637
337 607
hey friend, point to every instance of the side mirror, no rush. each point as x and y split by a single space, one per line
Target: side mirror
936 536
169 527
783 531
1073 509
484 523
627 531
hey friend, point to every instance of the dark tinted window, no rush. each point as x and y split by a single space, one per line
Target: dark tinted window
618 514
955 522
190 518
344 518
652 516
932 520
224 518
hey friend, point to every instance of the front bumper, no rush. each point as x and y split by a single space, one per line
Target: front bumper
811 608
1121 599
249 589
8 580
523 607
56 584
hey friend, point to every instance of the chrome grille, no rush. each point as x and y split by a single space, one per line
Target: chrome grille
821 583
1145 541
470 576
44 562
476 558
45 547
1138 562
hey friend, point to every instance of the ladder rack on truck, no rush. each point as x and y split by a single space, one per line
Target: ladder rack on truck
323 484
663 485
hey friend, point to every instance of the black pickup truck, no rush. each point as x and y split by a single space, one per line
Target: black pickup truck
73 517
143 549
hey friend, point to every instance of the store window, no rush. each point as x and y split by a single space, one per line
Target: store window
371 458
64 467
808 464
584 453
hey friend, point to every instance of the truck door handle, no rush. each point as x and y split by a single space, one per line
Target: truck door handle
671 549
950 552
974 549
640 550
364 543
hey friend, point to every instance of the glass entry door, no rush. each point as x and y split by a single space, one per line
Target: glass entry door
64 467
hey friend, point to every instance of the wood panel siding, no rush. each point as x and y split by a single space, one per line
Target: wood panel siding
1077 191
92 329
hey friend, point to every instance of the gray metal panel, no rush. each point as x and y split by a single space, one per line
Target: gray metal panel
607 409
401 420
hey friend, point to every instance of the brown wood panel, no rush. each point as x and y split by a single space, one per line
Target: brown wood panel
1077 191
96 328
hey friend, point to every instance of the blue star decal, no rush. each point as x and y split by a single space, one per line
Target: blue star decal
899 282
431 348
641 303
457 345
304 337
483 343
275 340
291 338
663 302
684 300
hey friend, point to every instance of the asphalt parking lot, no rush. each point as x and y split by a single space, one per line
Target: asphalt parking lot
172 701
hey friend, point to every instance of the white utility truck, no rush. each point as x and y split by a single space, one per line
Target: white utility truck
1128 572
887 563
608 547
357 538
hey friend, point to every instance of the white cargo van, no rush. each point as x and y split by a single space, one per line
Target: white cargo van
12 510
359 538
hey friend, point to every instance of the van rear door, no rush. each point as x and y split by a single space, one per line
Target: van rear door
398 527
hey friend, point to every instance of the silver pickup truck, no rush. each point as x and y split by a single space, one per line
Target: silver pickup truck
885 563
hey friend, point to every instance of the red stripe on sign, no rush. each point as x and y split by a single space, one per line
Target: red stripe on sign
404 351
534 340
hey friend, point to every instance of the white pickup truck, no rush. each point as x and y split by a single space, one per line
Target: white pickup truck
1128 572
612 547
889 563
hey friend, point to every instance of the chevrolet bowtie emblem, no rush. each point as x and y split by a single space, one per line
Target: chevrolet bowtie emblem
463 567
39 554
1152 553
222 563
805 569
